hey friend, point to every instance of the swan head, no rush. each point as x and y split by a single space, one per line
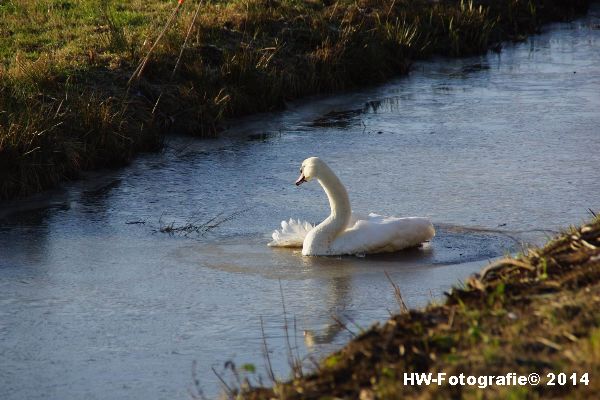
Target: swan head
310 169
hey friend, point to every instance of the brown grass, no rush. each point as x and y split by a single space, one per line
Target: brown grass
67 102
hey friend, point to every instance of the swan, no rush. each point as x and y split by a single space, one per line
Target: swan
343 232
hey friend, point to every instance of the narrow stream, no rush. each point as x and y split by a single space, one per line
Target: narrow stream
97 303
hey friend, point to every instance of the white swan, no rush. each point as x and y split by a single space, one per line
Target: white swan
343 232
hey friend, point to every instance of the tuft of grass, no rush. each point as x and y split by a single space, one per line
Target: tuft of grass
68 103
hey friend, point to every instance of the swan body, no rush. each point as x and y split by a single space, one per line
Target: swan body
343 232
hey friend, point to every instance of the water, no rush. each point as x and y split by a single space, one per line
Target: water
95 302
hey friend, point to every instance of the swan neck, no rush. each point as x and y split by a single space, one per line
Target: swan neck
339 202
320 238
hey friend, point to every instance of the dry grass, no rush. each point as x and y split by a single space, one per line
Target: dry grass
537 313
67 102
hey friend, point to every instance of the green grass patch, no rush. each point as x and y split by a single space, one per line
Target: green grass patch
68 103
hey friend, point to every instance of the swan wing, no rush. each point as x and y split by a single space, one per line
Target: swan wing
357 216
379 234
291 234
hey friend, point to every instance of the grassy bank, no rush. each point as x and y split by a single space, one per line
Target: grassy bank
535 313
68 101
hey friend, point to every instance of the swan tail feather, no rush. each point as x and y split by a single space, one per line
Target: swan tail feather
291 234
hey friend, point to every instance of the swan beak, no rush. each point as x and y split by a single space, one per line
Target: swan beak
300 180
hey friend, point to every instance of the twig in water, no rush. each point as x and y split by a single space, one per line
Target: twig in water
231 365
357 326
266 353
198 394
229 391
398 295
296 344
342 325
431 296
295 364
315 363
193 227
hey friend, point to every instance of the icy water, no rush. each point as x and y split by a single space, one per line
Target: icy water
97 303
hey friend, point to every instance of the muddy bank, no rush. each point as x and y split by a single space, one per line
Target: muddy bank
536 313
